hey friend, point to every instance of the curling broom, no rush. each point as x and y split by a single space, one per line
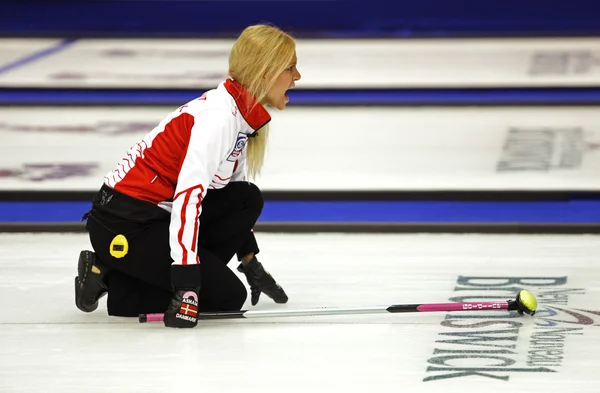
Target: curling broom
525 302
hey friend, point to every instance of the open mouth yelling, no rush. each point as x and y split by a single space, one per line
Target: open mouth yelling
287 98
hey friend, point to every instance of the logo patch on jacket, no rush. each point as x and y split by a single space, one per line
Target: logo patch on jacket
240 142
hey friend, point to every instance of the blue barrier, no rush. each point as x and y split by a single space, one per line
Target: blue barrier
567 212
317 18
324 97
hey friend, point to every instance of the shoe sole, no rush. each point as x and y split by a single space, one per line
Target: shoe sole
79 300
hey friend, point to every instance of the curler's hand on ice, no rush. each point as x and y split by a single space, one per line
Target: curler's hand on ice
183 308
261 281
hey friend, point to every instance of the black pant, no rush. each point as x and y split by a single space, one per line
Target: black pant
140 282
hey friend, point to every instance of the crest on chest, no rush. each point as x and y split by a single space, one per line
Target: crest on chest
240 142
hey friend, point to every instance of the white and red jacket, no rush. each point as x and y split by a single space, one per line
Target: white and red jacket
199 146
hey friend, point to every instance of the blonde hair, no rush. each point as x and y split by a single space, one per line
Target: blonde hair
258 56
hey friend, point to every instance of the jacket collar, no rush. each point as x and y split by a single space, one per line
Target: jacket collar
257 116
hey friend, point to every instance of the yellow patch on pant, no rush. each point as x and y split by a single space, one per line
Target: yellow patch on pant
119 246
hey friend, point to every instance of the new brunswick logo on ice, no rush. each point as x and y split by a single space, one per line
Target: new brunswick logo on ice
496 345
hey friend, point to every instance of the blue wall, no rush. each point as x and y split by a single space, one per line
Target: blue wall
448 212
322 18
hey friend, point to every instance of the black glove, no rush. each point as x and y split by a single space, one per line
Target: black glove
183 309
261 281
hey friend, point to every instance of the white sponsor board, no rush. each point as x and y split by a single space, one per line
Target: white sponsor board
366 63
456 148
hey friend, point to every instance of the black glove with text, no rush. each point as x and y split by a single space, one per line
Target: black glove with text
261 281
183 309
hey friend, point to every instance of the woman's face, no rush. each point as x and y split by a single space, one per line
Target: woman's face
276 96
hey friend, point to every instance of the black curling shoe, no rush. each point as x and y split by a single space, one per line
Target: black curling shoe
90 285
